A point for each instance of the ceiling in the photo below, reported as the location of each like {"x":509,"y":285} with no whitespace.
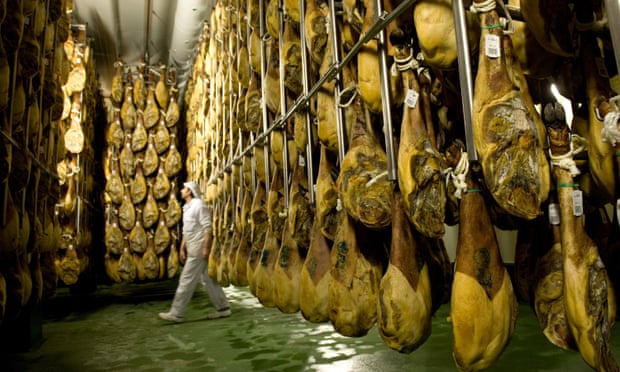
{"x":154,"y":31}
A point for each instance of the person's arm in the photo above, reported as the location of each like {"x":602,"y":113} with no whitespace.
{"x":182,"y":251}
{"x":207,"y":219}
{"x":206,"y":244}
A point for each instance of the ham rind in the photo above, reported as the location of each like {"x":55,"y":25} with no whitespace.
{"x":405,"y":301}
{"x":419,"y":167}
{"x":483,"y":306}
{"x":354,"y":288}
{"x":588,"y":297}
{"x":506,"y":135}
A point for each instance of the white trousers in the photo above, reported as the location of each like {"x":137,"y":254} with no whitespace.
{"x":195,"y":270}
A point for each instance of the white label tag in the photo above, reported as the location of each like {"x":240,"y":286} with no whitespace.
{"x":302,"y":161}
{"x":554,"y":214}
{"x":577,"y":203}
{"x":412,"y":98}
{"x":492,"y":46}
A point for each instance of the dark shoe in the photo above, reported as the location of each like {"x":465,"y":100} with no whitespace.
{"x":225,"y":313}
{"x":169,"y":317}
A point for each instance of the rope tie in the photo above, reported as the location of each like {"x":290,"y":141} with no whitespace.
{"x":352,"y":90}
{"x":610,"y":130}
{"x":376,"y":178}
{"x":407,"y":63}
{"x":566,"y":161}
{"x":482,"y":7}
{"x":458,"y":174}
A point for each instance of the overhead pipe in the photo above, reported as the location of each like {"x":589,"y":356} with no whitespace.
{"x":465,"y":76}
{"x":305,"y":83}
{"x":385,"y":98}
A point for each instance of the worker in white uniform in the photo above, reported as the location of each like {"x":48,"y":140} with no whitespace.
{"x":195,"y":245}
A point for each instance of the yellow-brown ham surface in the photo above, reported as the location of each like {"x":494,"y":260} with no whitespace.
{"x":315,"y":277}
{"x":483,"y":306}
{"x":405,"y":301}
{"x":419,"y":166}
{"x":506,"y":136}
{"x":363,"y":186}
{"x":355,"y":277}
{"x":589,"y":301}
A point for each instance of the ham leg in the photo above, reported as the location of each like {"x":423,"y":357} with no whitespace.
{"x":507,"y":139}
{"x":587,"y":293}
{"x":404,"y":311}
{"x":483,"y":304}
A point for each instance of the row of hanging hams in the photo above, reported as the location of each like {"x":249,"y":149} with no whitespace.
{"x":369,"y":250}
{"x":34,"y":66}
{"x":142,"y":162}
{"x":75,"y":169}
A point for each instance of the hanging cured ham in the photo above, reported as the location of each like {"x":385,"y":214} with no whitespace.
{"x":161,"y":187}
{"x":315,"y":25}
{"x":172,"y":265}
{"x":127,"y":212}
{"x":116,"y":92}
{"x":315,"y":277}
{"x":173,"y":212}
{"x":507,"y":138}
{"x":259,"y":222}
{"x":355,"y":277}
{"x":291,"y":52}
{"x":363,"y":186}
{"x":162,"y":236}
{"x":326,"y":195}
{"x":137,"y":236}
{"x":150,"y":262}
{"x":127,"y":160}
{"x":113,"y":234}
{"x":263,"y":274}
{"x":127,"y":269}
{"x":548,"y":287}
{"x":173,"y":162}
{"x":588,"y":298}
{"x":115,"y":137}
{"x":419,"y":165}
{"x":139,"y":86}
{"x":151,"y":111}
{"x":434,"y":24}
{"x":161,"y":139}
{"x":404,"y":311}
{"x":128,"y":109}
{"x":139,"y":137}
{"x":138,"y":187}
{"x":239,"y":264}
{"x":483,"y":307}
{"x":150,"y":211}
{"x":150,"y":163}
{"x":295,"y":239}
{"x":161,"y":90}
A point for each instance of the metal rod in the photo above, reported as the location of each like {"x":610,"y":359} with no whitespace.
{"x":338,"y":84}
{"x":305,"y":83}
{"x":465,"y":76}
{"x":263,"y":71}
{"x":285,"y":154}
{"x":613,"y":16}
{"x":386,"y":99}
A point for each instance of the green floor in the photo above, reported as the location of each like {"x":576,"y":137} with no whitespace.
{"x":117,"y":329}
